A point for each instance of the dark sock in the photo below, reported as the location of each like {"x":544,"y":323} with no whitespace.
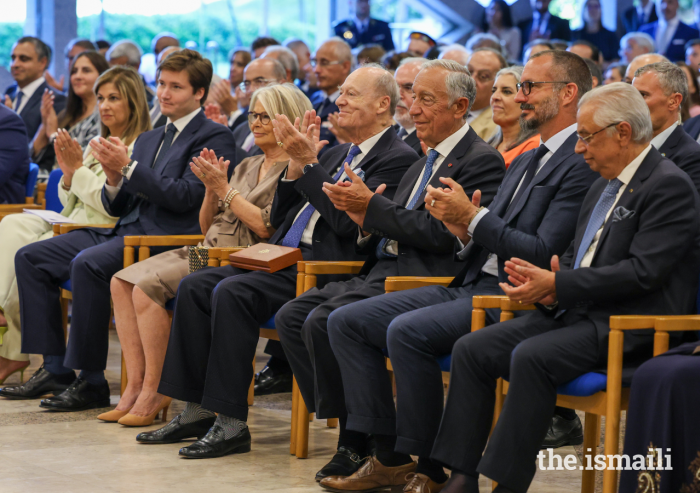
{"x":351,"y":439}
{"x":54,"y":364}
{"x":460,"y":482}
{"x":278,"y":365}
{"x":386,"y":454}
{"x":431,"y":469}
{"x":93,"y":377}
{"x":566,"y":413}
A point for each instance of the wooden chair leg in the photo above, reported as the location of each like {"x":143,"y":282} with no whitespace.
{"x":251,"y":389}
{"x":499,"y":402}
{"x":612,"y":411}
{"x":295,"y":413}
{"x":64,"y":317}
{"x":302,"y":450}
{"x":591,"y":432}
{"x":125,"y":380}
{"x":332,"y":422}
{"x":311,"y":417}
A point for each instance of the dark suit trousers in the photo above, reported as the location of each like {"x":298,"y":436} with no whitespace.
{"x":215,"y":331}
{"x":417,"y":326}
{"x":539,"y":353}
{"x":87,"y":258}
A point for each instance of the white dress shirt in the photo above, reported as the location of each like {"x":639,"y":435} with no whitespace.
{"x":664,"y":33}
{"x":625,"y":177}
{"x":180,"y":125}
{"x":553,"y":144}
{"x":660,"y":139}
{"x":365,"y":147}
{"x":645,"y":12}
{"x":28,"y":91}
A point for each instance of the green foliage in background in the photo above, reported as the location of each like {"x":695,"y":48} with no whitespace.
{"x":9,"y":33}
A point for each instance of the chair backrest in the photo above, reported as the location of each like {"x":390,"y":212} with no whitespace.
{"x":31,"y":179}
{"x":53,"y":203}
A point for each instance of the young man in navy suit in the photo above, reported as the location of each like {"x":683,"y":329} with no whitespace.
{"x":532,"y":216}
{"x":14,"y":157}
{"x":669,"y":33}
{"x":153,"y":192}
{"x":636,"y":251}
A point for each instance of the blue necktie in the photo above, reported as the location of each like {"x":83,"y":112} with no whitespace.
{"x":18,"y":101}
{"x":293,"y":236}
{"x":605,"y":202}
{"x":427,"y":174}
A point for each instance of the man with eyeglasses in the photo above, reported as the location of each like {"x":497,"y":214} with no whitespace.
{"x":636,"y":250}
{"x":484,"y":64}
{"x":664,"y":87}
{"x":532,"y":216}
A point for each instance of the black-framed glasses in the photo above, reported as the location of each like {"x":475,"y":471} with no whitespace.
{"x":264,"y":119}
{"x":587,"y":140}
{"x":526,"y":86}
{"x":323,"y":62}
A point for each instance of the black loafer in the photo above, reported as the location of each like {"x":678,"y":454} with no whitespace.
{"x":42,"y":382}
{"x":81,"y":395}
{"x":215,"y":445}
{"x":563,"y":432}
{"x":175,"y":432}
{"x":344,"y":463}
{"x":269,"y":381}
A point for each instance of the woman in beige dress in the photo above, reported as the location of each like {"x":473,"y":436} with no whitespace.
{"x":121,"y":102}
{"x":141,"y":291}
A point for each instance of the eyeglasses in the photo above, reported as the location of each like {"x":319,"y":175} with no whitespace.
{"x":587,"y":140}
{"x":259,"y":82}
{"x":526,"y":86}
{"x":264,"y":119}
{"x":323,"y":62}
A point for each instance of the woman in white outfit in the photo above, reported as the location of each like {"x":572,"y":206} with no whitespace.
{"x":121,"y":99}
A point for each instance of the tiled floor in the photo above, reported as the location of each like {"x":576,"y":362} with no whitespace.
{"x":60,"y":453}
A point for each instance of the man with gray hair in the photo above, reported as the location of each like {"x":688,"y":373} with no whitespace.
{"x":404,"y":77}
{"x":286,"y":57}
{"x":664,"y":87}
{"x":634,"y":44}
{"x":401,"y":239}
{"x":126,"y":53}
{"x":455,"y":52}
{"x":636,"y":250}
{"x":484,"y":64}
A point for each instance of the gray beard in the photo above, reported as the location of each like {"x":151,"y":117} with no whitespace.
{"x":547,"y":110}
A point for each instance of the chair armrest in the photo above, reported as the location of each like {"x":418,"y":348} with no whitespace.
{"x":68,"y":227}
{"x":488,"y":301}
{"x":393,"y":284}
{"x":514,"y":306}
{"x":10,"y":208}
{"x":163,"y":240}
{"x":677,"y":323}
{"x":632,"y":322}
{"x":341,"y":267}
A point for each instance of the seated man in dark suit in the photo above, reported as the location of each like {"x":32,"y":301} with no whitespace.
{"x":669,"y":32}
{"x":30,"y":59}
{"x":664,"y":87}
{"x":363,"y":30}
{"x":692,"y":127}
{"x":402,"y":239}
{"x":14,"y":157}
{"x":543,"y":25}
{"x":404,"y":76}
{"x":218,"y":312}
{"x":153,"y":193}
{"x":533,"y":216}
{"x":636,"y":251}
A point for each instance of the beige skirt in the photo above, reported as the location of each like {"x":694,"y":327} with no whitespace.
{"x":158,"y":276}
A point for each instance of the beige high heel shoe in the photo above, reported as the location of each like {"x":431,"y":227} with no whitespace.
{"x":113,"y":416}
{"x":21,"y":374}
{"x":133,"y":420}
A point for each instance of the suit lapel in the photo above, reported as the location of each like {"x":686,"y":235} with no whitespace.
{"x":35,"y":100}
{"x":672,"y":141}
{"x":514,"y":176}
{"x":384,"y":142}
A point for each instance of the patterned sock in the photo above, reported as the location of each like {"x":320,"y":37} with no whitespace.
{"x":232,"y":426}
{"x":194,"y":412}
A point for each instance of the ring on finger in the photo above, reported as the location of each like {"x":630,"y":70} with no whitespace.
{"x":280,"y":144}
{"x":204,"y":175}
{"x":432,"y":204}
{"x":63,"y":148}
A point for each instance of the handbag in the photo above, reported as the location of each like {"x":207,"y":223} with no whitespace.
{"x":198,"y":257}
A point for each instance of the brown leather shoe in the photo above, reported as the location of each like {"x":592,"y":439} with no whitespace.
{"x":420,"y":483}
{"x":370,"y":477}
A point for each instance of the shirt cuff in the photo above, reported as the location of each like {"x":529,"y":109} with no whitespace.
{"x":362,"y":240}
{"x":475,"y":221}
{"x":131,"y":170}
{"x":111,"y":192}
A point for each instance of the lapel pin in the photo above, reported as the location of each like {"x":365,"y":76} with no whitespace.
{"x":631,"y":190}
{"x":449,"y":165}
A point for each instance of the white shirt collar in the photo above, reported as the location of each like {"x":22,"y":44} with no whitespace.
{"x":628,"y":173}
{"x":31,"y":88}
{"x":556,"y":141}
{"x":333,"y":96}
{"x":445,"y":147}
{"x":660,"y":139}
{"x":367,"y":145}
{"x":646,"y":10}
{"x":181,"y":123}
{"x":673,"y":22}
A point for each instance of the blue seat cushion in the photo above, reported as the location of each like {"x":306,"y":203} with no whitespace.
{"x":67,"y":285}
{"x":444,"y":362}
{"x":270,"y":324}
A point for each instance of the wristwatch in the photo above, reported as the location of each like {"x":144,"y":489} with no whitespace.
{"x":308,"y":167}
{"x":126,"y":168}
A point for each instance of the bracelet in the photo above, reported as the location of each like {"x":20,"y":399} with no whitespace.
{"x":67,"y":189}
{"x":232,"y":192}
{"x":476,"y":214}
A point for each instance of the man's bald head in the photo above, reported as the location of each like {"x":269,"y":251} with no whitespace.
{"x":640,"y":61}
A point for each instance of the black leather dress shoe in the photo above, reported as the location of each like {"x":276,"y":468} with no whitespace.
{"x":215,"y":445}
{"x":42,"y":382}
{"x":81,"y":395}
{"x":270,"y":381}
{"x":344,"y":463}
{"x":563,"y":432}
{"x":174,"y":431}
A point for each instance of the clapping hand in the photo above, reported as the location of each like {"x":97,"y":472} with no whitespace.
{"x":113,"y":155}
{"x":300,"y":141}
{"x":212,"y":171}
{"x":530,"y":283}
{"x":452,"y":206}
{"x":341,"y":135}
{"x":48,"y":114}
{"x":221,"y":93}
{"x":8,"y":101}
{"x":69,"y":155}
{"x":213,"y":112}
{"x":352,"y":197}
{"x":58,"y":85}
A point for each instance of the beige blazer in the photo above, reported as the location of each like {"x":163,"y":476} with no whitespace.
{"x":483,"y":125}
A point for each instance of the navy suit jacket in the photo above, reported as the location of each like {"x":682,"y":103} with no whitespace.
{"x":413,"y":141}
{"x":630,"y":19}
{"x":31,"y":113}
{"x":335,"y":234}
{"x":425,"y":245}
{"x":323,"y":111}
{"x":692,"y":127}
{"x":169,"y":197}
{"x":14,"y":157}
{"x":684,"y":151}
{"x":377,"y":32}
{"x":543,"y":221}
{"x":648,"y":256}
{"x":676,"y":48}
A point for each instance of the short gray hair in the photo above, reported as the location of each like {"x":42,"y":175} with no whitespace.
{"x":516,"y":71}
{"x":413,"y":59}
{"x":459,"y":81}
{"x":286,"y":57}
{"x":620,"y":102}
{"x":126,"y":48}
{"x":485,"y":40}
{"x":671,"y":77}
{"x":386,"y":85}
{"x":642,"y":39}
{"x":342,"y":48}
